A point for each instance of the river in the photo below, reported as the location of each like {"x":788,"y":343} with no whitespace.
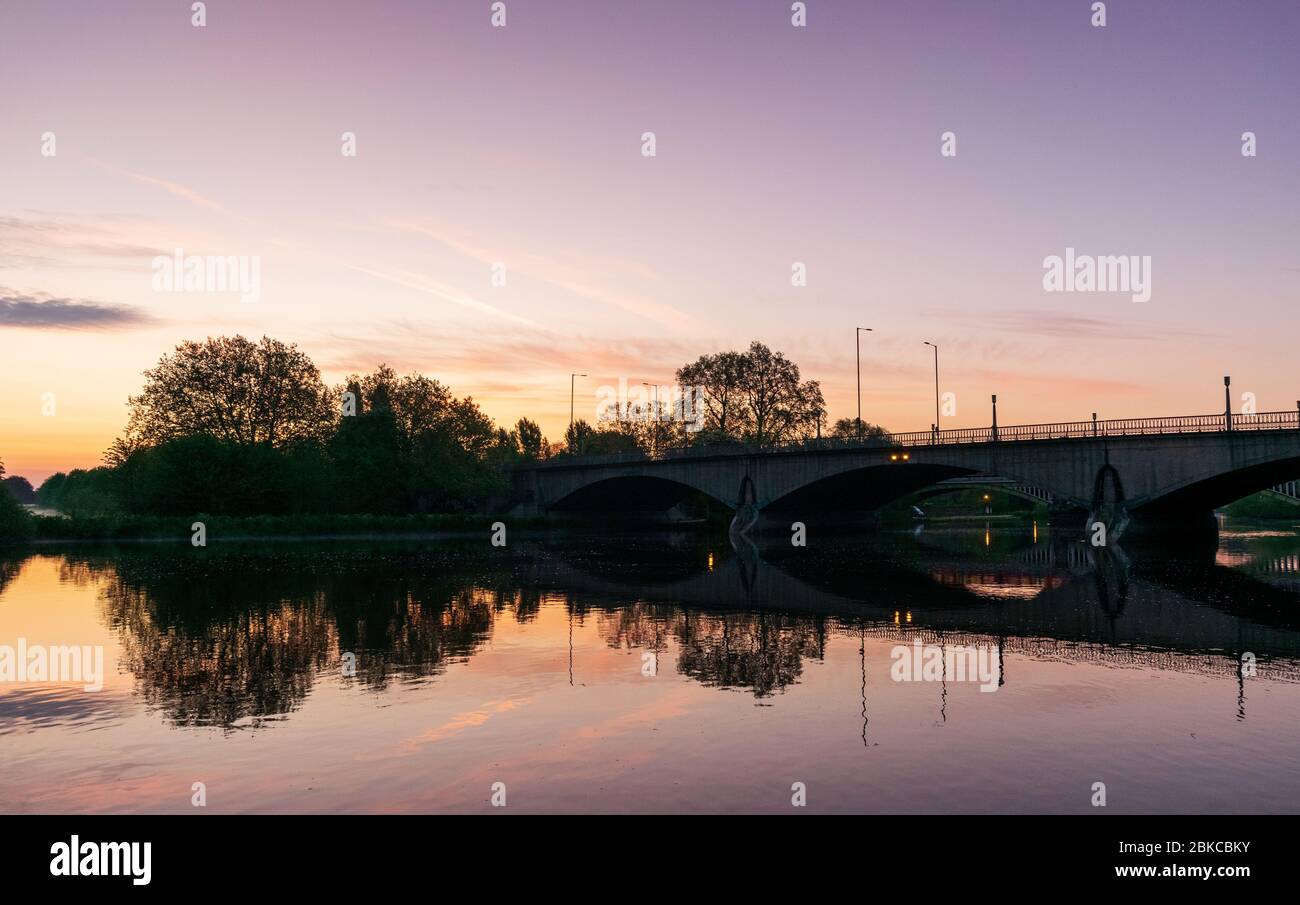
{"x":661,"y":672}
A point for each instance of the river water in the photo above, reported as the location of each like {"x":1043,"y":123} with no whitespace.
{"x":661,"y":672}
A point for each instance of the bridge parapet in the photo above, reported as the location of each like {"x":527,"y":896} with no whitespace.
{"x":1009,"y":433}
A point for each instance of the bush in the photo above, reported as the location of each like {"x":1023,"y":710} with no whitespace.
{"x":16,"y":524}
{"x":81,"y":492}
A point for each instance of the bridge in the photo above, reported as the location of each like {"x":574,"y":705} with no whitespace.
{"x":1289,"y":491}
{"x":1163,"y":470}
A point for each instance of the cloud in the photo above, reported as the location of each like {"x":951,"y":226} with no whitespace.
{"x":1067,"y":326}
{"x":44,"y":311}
{"x":508,"y":357}
{"x":69,"y":242}
{"x":421,"y":283}
{"x":585,"y":277}
{"x":172,"y":188}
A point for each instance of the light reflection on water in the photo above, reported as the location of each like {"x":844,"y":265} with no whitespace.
{"x":659,"y":672}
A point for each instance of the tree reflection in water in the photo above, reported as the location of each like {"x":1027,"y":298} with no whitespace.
{"x":761,"y":652}
{"x":239,"y":634}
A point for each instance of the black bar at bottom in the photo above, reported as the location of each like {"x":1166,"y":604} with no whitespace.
{"x":337,"y":854}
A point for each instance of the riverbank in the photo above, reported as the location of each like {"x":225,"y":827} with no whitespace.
{"x":1265,"y":506}
{"x":180,"y":528}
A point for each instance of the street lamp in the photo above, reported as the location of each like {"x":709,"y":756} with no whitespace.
{"x":571,"y":379}
{"x":1227,"y":402}
{"x":936,"y":387}
{"x":857,"y":343}
{"x":654,"y":430}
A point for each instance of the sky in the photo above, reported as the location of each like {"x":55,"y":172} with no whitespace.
{"x":522,"y":146}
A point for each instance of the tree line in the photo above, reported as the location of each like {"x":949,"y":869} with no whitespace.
{"x":229,"y":426}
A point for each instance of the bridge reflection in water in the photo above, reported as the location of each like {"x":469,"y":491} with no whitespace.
{"x":229,"y":639}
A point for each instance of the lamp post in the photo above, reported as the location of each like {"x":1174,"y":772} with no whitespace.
{"x":857,"y":344}
{"x":654,"y":430}
{"x":936,"y":388}
{"x":571,"y":381}
{"x":1227,"y":402}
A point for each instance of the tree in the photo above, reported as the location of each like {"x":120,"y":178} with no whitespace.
{"x":582,"y":439}
{"x":19,"y":487}
{"x":231,"y":389}
{"x":577,"y":437}
{"x":756,"y":396}
{"x":51,"y":490}
{"x":417,"y":402}
{"x":532,"y":445}
{"x":720,"y":378}
{"x":852,"y":428}
{"x":442,"y":452}
{"x":780,"y":407}
{"x":15,"y":522}
{"x":368,"y":457}
{"x":82,"y":492}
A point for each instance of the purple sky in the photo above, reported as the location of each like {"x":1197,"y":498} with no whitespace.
{"x":521,"y":145}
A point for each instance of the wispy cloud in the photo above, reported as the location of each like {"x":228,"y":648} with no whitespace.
{"x":54,"y":240}
{"x":167,"y":185}
{"x":421,"y":283}
{"x":585,"y":277}
{"x":505,"y":360}
{"x":43,"y":311}
{"x":1068,"y":326}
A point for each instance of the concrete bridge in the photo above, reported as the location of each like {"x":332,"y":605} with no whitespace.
{"x":1163,"y":470}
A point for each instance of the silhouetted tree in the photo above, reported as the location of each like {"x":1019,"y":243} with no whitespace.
{"x":720,"y":377}
{"x":851,"y":428}
{"x":232,"y":389}
{"x":756,"y":396}
{"x":366,"y":453}
{"x":15,"y":522}
{"x":532,"y":445}
{"x":19,"y":487}
{"x":577,"y":437}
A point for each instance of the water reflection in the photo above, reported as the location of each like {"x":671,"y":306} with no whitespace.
{"x":236,"y":636}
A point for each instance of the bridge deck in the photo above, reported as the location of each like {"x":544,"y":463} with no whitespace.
{"x":1221,"y":423}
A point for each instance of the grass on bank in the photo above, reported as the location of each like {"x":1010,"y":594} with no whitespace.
{"x":1264,"y":506}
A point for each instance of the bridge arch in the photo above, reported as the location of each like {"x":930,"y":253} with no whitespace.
{"x":1207,"y":492}
{"x":1008,"y":486}
{"x":632,"y":493}
{"x":865,"y":487}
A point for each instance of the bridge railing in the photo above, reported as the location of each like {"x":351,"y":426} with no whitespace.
{"x":1010,"y":433}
